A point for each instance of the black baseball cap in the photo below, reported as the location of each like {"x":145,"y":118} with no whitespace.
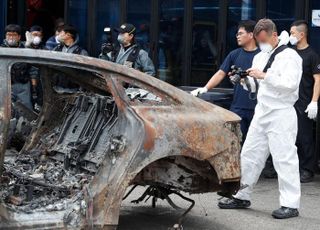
{"x":36,"y":28}
{"x":126,"y":28}
{"x":70,"y":29}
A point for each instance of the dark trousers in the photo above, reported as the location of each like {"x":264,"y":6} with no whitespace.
{"x":305,"y":142}
{"x":246,"y":118}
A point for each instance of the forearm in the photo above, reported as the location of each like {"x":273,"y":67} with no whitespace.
{"x":215,"y":79}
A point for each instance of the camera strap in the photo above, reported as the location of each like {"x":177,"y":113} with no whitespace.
{"x":253,"y":96}
{"x":273,"y":55}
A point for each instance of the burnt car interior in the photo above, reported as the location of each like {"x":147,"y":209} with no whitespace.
{"x":51,"y":160}
{"x":53,"y":155}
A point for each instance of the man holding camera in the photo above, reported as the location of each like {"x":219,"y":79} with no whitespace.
{"x":129,"y":53}
{"x":243,"y":104}
{"x":274,"y":125}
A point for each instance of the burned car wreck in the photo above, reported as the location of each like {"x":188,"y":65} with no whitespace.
{"x":120,"y":128}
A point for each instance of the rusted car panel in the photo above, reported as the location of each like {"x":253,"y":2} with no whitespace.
{"x":122,"y":128}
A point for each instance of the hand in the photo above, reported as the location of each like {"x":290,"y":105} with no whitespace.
{"x":312,"y":109}
{"x":235,"y":79}
{"x":199,"y":91}
{"x":29,"y":38}
{"x":106,"y":48}
{"x":256,"y":73}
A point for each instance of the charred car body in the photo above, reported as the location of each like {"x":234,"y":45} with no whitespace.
{"x":119,"y":128}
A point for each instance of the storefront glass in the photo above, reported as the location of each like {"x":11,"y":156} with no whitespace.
{"x":77,"y":16}
{"x":205,"y":48}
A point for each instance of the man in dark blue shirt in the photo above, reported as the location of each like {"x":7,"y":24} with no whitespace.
{"x":242,"y":104}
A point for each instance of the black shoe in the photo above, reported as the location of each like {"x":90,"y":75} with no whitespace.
{"x":270,"y":174}
{"x":233,"y":203}
{"x":306,"y":176}
{"x":284,"y":213}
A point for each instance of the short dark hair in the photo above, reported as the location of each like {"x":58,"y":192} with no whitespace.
{"x":36,"y":28}
{"x":248,"y":25}
{"x":71,"y":30}
{"x":266,"y":25}
{"x":13,"y":28}
{"x":302,"y":25}
{"x":59,"y":23}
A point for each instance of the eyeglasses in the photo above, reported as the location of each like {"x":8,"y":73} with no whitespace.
{"x":240,"y":34}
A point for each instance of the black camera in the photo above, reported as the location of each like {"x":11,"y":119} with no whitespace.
{"x":237,"y":74}
{"x":108,"y":45}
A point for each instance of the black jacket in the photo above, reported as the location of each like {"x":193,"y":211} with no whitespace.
{"x":20,"y":71}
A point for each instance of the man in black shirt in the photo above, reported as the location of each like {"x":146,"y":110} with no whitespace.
{"x":307,"y":104}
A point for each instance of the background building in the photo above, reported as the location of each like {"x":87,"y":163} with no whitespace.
{"x":187,"y":39}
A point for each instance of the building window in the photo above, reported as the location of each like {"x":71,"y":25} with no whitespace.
{"x":171,"y":21}
{"x":238,"y":11}
{"x":282,"y":13}
{"x":314,"y":31}
{"x":138,"y":14}
{"x":77,"y":16}
{"x":3,"y":10}
{"x":108,"y":15}
{"x":204,"y":61}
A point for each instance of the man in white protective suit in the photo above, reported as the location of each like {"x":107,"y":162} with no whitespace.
{"x":277,"y":70}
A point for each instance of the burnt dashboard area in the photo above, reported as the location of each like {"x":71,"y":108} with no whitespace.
{"x":66,"y":157}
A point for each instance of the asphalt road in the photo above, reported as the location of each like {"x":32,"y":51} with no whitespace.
{"x":207,"y":216}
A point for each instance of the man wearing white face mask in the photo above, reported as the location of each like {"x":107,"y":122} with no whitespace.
{"x":307,"y":104}
{"x":34,"y":41}
{"x":34,"y":38}
{"x":274,"y":125}
{"x":20,"y":78}
{"x":129,"y":53}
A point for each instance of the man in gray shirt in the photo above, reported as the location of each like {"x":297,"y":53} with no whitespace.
{"x":129,"y":53}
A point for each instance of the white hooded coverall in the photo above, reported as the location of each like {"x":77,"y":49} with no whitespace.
{"x":274,"y":127}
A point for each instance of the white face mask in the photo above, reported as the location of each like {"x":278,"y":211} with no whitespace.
{"x":293,"y":40}
{"x":121,"y":39}
{"x":12,"y":42}
{"x":36,"y":40}
{"x":60,"y":39}
{"x":265,"y":47}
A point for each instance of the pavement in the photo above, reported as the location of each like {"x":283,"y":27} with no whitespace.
{"x":207,"y":216}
